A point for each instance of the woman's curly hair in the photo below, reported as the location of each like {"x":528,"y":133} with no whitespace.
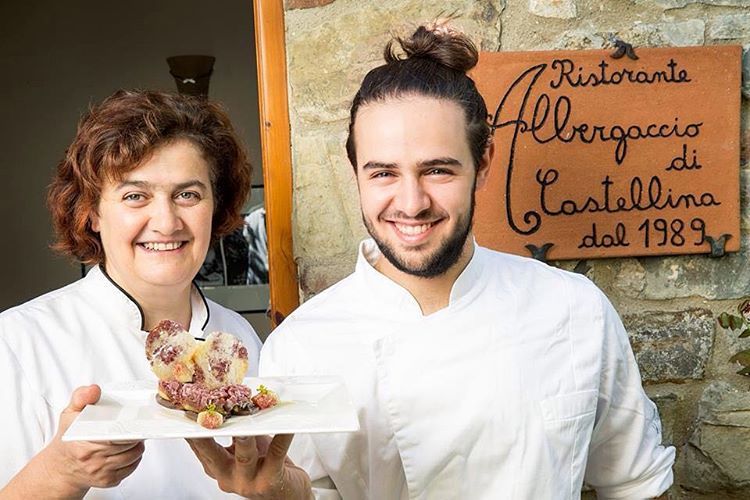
{"x":117,"y":136}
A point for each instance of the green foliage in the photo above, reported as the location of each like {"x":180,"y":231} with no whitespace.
{"x":739,"y":322}
{"x":735,"y":322}
{"x":262,"y":389}
{"x":742,"y":357}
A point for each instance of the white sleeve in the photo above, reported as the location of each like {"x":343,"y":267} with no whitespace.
{"x":626,"y":458}
{"x":281,"y":357}
{"x":21,"y":428}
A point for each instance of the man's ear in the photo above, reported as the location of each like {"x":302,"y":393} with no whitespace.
{"x":483,"y":171}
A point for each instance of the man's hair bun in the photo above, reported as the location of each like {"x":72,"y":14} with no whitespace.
{"x":439,"y":43}
{"x":432,"y":62}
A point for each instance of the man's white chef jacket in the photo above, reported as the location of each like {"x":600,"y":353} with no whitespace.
{"x":519,"y":389}
{"x":91,"y":332}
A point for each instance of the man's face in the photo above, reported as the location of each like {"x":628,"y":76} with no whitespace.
{"x":416,"y":180}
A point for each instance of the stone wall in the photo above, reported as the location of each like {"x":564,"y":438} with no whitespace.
{"x":669,"y":305}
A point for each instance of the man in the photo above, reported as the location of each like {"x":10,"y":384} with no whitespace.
{"x":475,"y":374}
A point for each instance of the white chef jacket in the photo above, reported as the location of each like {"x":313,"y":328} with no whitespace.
{"x":88,"y":332}
{"x":521,"y":388}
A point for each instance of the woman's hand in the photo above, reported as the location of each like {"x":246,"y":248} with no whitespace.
{"x":254,"y":467}
{"x":85,"y":464}
{"x":67,"y":469}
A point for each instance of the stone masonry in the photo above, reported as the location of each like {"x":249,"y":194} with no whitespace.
{"x":669,"y":305}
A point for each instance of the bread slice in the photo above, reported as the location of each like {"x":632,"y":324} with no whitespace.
{"x":220,"y":360}
{"x":170,"y":350}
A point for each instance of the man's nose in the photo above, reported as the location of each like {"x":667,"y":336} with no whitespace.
{"x":412,"y":199}
{"x":165,"y":216}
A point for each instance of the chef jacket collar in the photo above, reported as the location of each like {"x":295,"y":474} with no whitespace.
{"x":111,"y":290}
{"x":464,"y":288}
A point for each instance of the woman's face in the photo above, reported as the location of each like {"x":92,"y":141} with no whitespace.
{"x":155,"y":224}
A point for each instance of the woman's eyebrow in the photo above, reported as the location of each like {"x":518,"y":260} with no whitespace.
{"x":149,"y":185}
{"x":192,"y":183}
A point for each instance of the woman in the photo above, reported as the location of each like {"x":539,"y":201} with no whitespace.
{"x":148,"y":182}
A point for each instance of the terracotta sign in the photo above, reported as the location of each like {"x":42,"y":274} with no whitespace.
{"x":604,"y":157}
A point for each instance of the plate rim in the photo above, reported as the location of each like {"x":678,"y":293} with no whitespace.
{"x":347,"y":420}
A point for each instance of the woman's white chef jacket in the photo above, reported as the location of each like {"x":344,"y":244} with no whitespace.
{"x":519,"y":389}
{"x":91,"y":332}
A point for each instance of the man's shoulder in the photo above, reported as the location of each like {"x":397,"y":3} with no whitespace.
{"x":323,"y":313}
{"x":535,"y":285}
{"x":533,"y":273}
{"x":339,"y":297}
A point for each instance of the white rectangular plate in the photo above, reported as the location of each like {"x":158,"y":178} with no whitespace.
{"x":129,"y":411}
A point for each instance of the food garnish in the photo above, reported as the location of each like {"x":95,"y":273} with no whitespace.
{"x":265,"y":398}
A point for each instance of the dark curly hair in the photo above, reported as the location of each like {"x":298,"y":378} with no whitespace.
{"x":117,"y":136}
{"x":434,"y":64}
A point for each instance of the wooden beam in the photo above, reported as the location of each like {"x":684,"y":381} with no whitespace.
{"x":275,"y":138}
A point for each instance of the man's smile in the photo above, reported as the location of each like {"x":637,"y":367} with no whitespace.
{"x":413,"y":230}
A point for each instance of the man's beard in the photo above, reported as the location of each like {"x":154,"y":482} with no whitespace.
{"x":440,"y":261}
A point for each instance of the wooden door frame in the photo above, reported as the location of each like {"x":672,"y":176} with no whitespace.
{"x":276,"y":153}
